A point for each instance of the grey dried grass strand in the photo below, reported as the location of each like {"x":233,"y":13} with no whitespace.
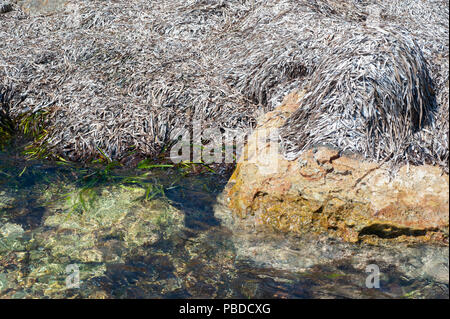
{"x":369,"y":97}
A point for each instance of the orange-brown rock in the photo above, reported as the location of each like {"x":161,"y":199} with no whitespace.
{"x":325,"y":191}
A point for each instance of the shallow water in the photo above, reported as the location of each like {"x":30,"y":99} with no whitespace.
{"x":121,"y":239}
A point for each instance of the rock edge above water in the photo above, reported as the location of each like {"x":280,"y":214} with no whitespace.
{"x":325,"y":191}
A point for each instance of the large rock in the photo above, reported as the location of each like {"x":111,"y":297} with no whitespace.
{"x":326,"y":191}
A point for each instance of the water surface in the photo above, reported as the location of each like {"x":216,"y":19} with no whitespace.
{"x":156,"y":236}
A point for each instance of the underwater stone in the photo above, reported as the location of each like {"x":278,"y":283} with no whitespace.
{"x":4,"y":282}
{"x":345,"y":196}
{"x":11,"y":231}
{"x":115,"y":227}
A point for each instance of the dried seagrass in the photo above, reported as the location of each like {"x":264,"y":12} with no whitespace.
{"x":369,"y":96}
{"x":118,"y":75}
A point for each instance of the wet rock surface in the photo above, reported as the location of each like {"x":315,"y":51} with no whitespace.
{"x":291,"y":252}
{"x":325,"y":191}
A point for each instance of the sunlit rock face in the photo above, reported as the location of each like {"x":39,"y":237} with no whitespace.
{"x":323,"y":190}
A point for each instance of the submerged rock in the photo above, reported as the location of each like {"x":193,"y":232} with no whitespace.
{"x":108,"y":230}
{"x":326,"y":211}
{"x":326,"y":191}
{"x":308,"y":253}
{"x":172,"y":246}
{"x":11,"y":230}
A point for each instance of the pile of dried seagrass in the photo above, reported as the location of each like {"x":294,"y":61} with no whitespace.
{"x":121,"y":75}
